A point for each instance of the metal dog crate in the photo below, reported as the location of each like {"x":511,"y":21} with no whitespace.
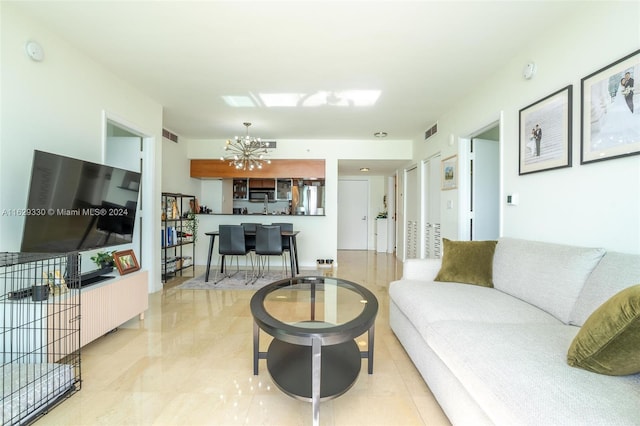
{"x":40,"y":303}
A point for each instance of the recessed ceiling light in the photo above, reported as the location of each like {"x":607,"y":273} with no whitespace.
{"x":364,"y":169}
{"x":380,"y":135}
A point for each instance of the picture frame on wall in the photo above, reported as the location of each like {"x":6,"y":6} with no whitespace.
{"x":545,"y":133}
{"x":449,"y":172}
{"x":610,"y":111}
{"x":126,"y":261}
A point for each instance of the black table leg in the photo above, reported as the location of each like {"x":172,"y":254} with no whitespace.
{"x":256,"y":347}
{"x":212,"y":238}
{"x":294,"y":245}
{"x":370,"y":349}
{"x":292,"y":256}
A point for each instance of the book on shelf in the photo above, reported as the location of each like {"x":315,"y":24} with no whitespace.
{"x":169,"y":236}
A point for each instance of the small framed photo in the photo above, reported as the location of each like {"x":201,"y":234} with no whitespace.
{"x":125,"y":261}
{"x":610,"y":111}
{"x":450,"y":172}
{"x":545,"y":133}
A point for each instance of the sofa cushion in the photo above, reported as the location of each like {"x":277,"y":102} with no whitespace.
{"x":609,"y":341}
{"x":458,"y":405}
{"x":546,"y":275}
{"x":421,"y":269}
{"x":519,"y":375}
{"x":469,"y":262}
{"x":425,"y":303}
{"x":614,"y":273}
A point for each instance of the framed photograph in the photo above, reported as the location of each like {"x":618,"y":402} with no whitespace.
{"x":545,"y":133}
{"x":125,"y":261}
{"x":610,"y":111}
{"x":449,"y":175}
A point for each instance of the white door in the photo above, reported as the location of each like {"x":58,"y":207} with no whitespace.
{"x":485,"y":190}
{"x":431,"y":208}
{"x":412,"y":214}
{"x":353,"y":221}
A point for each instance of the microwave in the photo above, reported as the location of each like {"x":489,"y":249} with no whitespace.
{"x":259,"y":194}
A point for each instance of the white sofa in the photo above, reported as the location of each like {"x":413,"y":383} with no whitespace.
{"x":499,"y":355}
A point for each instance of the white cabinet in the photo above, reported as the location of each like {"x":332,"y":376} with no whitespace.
{"x":381,"y":235}
{"x":107,"y":305}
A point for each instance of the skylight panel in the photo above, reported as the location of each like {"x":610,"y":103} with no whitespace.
{"x":343,"y":98}
{"x":239,"y":101}
{"x":280,"y":99}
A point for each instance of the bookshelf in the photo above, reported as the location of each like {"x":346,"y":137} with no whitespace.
{"x":177,"y":234}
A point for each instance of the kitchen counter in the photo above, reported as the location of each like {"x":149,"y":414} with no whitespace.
{"x":316,"y":240}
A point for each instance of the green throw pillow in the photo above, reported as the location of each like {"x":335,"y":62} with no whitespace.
{"x":609,"y":341}
{"x":469,"y":262}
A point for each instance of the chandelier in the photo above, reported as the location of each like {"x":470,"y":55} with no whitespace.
{"x":246,"y":152}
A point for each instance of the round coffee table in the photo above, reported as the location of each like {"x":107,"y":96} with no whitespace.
{"x":314,"y":321}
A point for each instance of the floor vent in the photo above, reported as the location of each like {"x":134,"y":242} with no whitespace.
{"x":171,"y":136}
{"x":431,"y":131}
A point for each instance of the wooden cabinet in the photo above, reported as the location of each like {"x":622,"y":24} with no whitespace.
{"x":304,"y":168}
{"x":261,"y":183}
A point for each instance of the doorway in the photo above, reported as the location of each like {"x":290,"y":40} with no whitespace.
{"x":353,"y":221}
{"x":484,"y":201}
{"x":139,"y":155}
{"x":123,"y":149}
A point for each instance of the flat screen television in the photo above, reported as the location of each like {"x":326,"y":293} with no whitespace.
{"x":76,"y":205}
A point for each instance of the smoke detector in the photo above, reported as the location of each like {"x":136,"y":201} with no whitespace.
{"x":34,"y":51}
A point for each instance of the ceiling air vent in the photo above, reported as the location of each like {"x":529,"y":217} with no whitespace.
{"x":171,"y":136}
{"x":431,"y":131}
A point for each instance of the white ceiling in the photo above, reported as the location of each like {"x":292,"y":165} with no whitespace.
{"x":423,"y":56}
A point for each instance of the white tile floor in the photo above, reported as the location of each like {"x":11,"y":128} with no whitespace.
{"x":190,"y":363}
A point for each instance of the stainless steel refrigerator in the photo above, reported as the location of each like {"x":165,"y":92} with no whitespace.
{"x":309,"y":200}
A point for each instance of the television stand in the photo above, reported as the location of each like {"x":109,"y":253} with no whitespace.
{"x":108,"y":304}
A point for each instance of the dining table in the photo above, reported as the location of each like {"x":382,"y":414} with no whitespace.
{"x":293,"y":255}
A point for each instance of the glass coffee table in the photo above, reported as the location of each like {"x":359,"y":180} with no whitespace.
{"x":314,"y":321}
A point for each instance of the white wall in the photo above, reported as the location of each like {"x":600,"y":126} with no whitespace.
{"x":59,"y":105}
{"x":176,"y":168}
{"x":596,"y":204}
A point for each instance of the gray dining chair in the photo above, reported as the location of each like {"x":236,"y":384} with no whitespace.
{"x":232,"y":243}
{"x":286,"y":242}
{"x":268,"y":243}
{"x":250,"y":240}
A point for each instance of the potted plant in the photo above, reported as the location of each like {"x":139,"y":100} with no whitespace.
{"x":103,"y":259}
{"x":192,"y":225}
